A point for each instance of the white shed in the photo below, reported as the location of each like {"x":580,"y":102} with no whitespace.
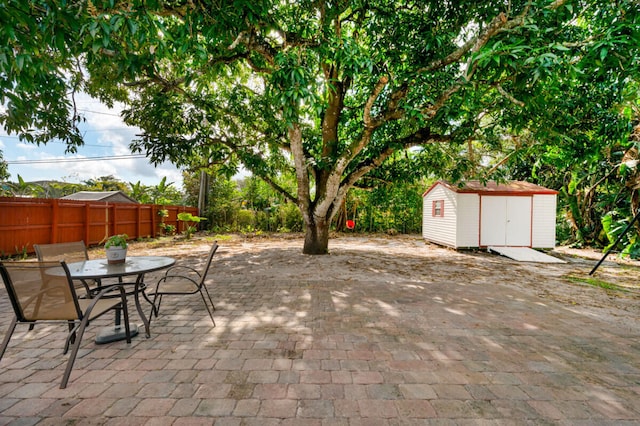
{"x":514,"y":214}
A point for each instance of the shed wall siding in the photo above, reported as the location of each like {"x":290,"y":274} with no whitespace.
{"x":440,"y":230}
{"x":544,"y":221}
{"x":468,"y":220}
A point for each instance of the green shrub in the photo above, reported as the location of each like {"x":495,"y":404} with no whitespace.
{"x":291,"y":217}
{"x":246,"y":219}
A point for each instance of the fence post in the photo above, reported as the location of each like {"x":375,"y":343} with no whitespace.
{"x":154,"y":224}
{"x":87,"y":217}
{"x":139,"y":218}
{"x":113,"y":220}
{"x":106,"y":222}
{"x":54,"y":220}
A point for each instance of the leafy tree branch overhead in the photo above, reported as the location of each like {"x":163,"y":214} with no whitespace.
{"x":329,"y":90}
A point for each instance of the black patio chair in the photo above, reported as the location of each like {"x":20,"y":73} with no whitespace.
{"x":74,"y":251}
{"x":44,"y":292}
{"x":184,"y":280}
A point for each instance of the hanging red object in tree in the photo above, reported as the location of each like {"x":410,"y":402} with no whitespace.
{"x":351,"y":224}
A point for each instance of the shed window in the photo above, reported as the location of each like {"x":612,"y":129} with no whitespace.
{"x":437,"y":209}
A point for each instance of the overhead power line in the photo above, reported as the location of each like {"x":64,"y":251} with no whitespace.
{"x":100,"y":112}
{"x":74,"y":160}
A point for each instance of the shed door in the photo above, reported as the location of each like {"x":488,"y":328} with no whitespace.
{"x":505,"y":221}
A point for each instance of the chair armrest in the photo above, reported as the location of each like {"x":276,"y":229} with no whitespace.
{"x":189,"y":269}
{"x":182,"y":277}
{"x":158,"y":286}
{"x":103,"y":293}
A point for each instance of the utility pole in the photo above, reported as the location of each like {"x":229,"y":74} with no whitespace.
{"x":203,"y":193}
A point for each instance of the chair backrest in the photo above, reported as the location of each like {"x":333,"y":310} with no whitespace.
{"x":40,"y":290}
{"x":74,"y":251}
{"x":207,"y":265}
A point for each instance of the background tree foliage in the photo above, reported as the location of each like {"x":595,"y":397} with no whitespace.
{"x":342,"y":94}
{"x":164,"y":193}
{"x":4,"y":172}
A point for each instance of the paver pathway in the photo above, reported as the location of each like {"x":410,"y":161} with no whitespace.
{"x":330,"y":351}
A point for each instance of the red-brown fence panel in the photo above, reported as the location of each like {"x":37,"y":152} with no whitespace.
{"x":28,"y":221}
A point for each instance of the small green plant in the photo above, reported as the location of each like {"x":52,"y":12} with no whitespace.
{"x":189,"y":231}
{"x":188,"y":217}
{"x":613,"y":229}
{"x":21,"y":253}
{"x":119,"y":240}
{"x":597,"y":283}
{"x":168,"y":229}
{"x":165,"y":227}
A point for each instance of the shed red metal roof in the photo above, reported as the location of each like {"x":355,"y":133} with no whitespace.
{"x":513,"y":187}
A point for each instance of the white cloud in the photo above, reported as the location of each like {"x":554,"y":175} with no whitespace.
{"x":107,"y":130}
{"x":105,"y":135}
{"x":26,"y":147}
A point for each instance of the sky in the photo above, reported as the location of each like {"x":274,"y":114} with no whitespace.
{"x":106,"y":152}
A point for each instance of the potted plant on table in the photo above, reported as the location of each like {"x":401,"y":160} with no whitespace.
{"x":116,"y":248}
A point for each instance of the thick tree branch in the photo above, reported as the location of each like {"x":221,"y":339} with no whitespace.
{"x":432,"y":109}
{"x":556,"y":4}
{"x":255,"y":159}
{"x":243,"y":37}
{"x":370,"y":122}
{"x":509,"y":96}
{"x":299,"y":159}
{"x":498,"y":24}
{"x":418,"y":138}
{"x":277,"y":187}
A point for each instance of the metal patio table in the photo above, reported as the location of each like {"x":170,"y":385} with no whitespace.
{"x":138,"y":266}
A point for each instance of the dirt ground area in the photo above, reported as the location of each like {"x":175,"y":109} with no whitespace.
{"x":612,"y":293}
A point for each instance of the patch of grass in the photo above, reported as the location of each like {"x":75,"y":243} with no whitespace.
{"x":597,"y":283}
{"x":629,"y":267}
{"x":219,"y":237}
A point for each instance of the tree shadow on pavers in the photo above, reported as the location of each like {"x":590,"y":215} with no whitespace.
{"x":379,"y":315}
{"x":445,"y":319}
{"x":387,"y":263}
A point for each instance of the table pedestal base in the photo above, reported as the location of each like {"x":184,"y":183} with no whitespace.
{"x":115,"y":333}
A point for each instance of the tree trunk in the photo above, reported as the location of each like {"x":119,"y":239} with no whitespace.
{"x":316,"y":237}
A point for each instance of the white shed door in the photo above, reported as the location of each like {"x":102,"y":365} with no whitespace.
{"x":505,"y":221}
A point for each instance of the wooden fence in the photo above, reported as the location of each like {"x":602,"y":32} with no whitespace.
{"x":28,"y":221}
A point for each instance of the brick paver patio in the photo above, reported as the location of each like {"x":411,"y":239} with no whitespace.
{"x":330,"y":351}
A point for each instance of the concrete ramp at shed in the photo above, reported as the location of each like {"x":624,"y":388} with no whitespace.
{"x":525,"y":254}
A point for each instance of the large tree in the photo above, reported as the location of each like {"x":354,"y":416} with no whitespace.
{"x":328,"y":89}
